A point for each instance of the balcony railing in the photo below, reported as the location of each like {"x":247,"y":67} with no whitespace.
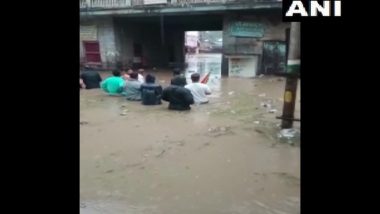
{"x":106,"y":4}
{"x":202,"y":1}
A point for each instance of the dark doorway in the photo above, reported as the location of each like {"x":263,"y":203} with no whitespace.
{"x":171,"y":54}
{"x":137,"y":55}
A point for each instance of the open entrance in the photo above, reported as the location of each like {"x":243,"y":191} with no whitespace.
{"x":203,"y":55}
{"x":137,"y":55}
{"x":158,"y":41}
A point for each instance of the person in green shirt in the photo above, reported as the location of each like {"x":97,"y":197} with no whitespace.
{"x":114,"y":85}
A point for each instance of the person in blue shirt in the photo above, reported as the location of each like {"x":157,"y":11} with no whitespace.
{"x":132,"y":90}
{"x":150,"y":91}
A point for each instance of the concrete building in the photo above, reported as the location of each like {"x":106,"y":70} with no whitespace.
{"x":151,"y":33}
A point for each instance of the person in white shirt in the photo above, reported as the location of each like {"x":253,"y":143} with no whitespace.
{"x":198,"y":90}
{"x":141,"y":78}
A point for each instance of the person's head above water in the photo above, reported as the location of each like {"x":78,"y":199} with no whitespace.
{"x":116,"y":73}
{"x":195,"y":77}
{"x":87,"y":68}
{"x":141,"y":71}
{"x":176,"y":71}
{"x":134,"y":75}
{"x":179,"y":81}
{"x":150,"y":78}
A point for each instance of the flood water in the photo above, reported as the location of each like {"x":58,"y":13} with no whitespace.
{"x":223,"y":157}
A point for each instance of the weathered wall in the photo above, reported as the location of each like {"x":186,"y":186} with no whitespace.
{"x":274,"y":29}
{"x":117,"y":36}
{"x":107,"y":41}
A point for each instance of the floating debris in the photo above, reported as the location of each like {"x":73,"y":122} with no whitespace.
{"x":259,"y":131}
{"x":231,"y":93}
{"x":218,"y":131}
{"x":160,"y":155}
{"x":109,"y":171}
{"x":262,"y":95}
{"x":124,"y":112}
{"x":272,"y":110}
{"x":83,"y":122}
{"x":181,"y":143}
{"x":287,"y":133}
{"x":265,"y":105}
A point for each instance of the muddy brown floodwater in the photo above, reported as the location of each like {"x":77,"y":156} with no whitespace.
{"x":223,"y":157}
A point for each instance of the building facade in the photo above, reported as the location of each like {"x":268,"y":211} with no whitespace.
{"x":151,"y":33}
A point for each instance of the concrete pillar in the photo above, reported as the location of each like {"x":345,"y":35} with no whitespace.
{"x":107,"y":42}
{"x":225,"y":42}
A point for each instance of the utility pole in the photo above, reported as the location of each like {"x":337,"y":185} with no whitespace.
{"x":292,"y":74}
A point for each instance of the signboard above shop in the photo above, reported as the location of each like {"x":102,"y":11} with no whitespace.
{"x":246,"y":29}
{"x":150,"y":2}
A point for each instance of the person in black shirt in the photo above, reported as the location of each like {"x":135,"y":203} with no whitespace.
{"x":150,"y":91}
{"x":179,"y":97}
{"x":91,"y":78}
